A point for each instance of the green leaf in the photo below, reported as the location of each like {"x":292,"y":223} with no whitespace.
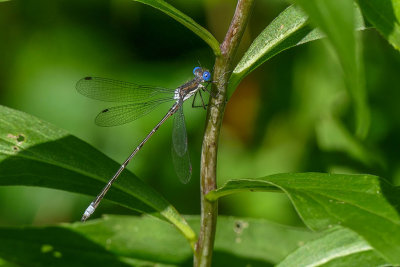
{"x":365,"y":204}
{"x":333,"y":136}
{"x":291,"y":28}
{"x":186,"y":21}
{"x":248,"y":239}
{"x":385,"y":16}
{"x":336,"y":18}
{"x":337,"y":247}
{"x":120,"y":239}
{"x":287,"y":30}
{"x":36,"y":153}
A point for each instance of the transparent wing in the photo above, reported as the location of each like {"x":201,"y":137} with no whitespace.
{"x":123,"y":114}
{"x":118,"y":91}
{"x":179,"y":134}
{"x":180,"y":153}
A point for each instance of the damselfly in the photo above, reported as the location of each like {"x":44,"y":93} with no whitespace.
{"x":143,"y":99}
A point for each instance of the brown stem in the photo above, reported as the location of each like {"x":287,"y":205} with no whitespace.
{"x":222,"y":69}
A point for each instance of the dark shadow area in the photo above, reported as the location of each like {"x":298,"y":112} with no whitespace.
{"x":222,"y":258}
{"x":391,"y":194}
{"x":373,"y":14}
{"x":52,"y":246}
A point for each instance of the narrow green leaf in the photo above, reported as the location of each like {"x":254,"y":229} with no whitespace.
{"x":291,"y":28}
{"x":36,"y":153}
{"x":365,"y":204}
{"x":385,"y":16}
{"x":336,"y":18}
{"x":122,"y":239}
{"x":337,"y":247}
{"x":186,"y":21}
{"x":287,"y":30}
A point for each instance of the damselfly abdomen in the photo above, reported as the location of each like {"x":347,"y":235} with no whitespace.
{"x":141,"y":100}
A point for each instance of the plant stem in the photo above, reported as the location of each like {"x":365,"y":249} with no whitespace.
{"x":216,"y":108}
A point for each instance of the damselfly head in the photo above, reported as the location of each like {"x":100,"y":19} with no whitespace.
{"x":205,"y":75}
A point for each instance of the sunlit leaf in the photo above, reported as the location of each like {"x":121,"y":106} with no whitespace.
{"x":292,"y":28}
{"x":119,"y":240}
{"x":289,"y":29}
{"x":36,"y":153}
{"x":337,"y":247}
{"x":385,"y":16}
{"x":186,"y":21}
{"x":365,"y":204}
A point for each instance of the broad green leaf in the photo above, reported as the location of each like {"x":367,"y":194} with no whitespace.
{"x":119,"y":240}
{"x":365,"y":204}
{"x":289,"y":29}
{"x":336,"y":18}
{"x":186,"y":21}
{"x":36,"y":153}
{"x":337,"y":247}
{"x":385,"y":16}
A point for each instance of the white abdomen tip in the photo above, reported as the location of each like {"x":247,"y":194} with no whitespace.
{"x":89,"y":211}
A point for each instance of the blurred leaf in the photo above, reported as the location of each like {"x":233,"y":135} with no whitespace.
{"x":385,"y":16}
{"x":119,"y":239}
{"x":36,"y":153}
{"x":186,"y":21}
{"x":333,"y":136}
{"x":337,"y":19}
{"x":289,"y":29}
{"x":337,"y":247}
{"x":365,"y":204}
{"x":4,"y":263}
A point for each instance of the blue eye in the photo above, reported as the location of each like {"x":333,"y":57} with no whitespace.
{"x":195,"y":69}
{"x":206,"y":76}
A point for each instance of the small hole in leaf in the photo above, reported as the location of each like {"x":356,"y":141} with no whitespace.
{"x":239,"y":226}
{"x":20,"y":138}
{"x":15,"y":148}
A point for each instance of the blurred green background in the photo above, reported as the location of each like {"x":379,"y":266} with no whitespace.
{"x":292,"y":114}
